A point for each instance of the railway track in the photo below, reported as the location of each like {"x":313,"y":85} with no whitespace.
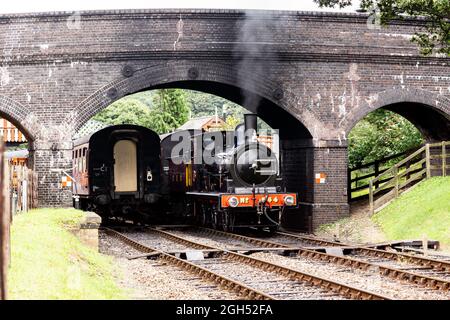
{"x":251,"y":277}
{"x":419,"y":271}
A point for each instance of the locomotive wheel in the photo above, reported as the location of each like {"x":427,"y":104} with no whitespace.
{"x":227,"y":222}
{"x":215,"y":219}
{"x":203,"y":216}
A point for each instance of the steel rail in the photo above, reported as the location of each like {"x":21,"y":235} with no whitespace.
{"x":390,"y":272}
{"x":224,"y":282}
{"x":421,"y":261}
{"x":313,"y":240}
{"x":330,"y":285}
{"x":260,"y":242}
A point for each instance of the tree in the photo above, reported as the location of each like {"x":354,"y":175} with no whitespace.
{"x":231,"y":122}
{"x":435,"y":36}
{"x":381,"y":134}
{"x":126,"y":111}
{"x":170,"y":110}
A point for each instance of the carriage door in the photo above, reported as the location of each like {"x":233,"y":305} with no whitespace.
{"x":125,"y":170}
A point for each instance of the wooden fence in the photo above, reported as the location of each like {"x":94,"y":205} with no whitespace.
{"x":18,"y":193}
{"x":23,"y":188}
{"x":359,"y":177}
{"x":433,"y":159}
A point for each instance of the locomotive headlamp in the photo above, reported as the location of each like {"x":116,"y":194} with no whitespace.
{"x":233,"y":202}
{"x":289,"y":200}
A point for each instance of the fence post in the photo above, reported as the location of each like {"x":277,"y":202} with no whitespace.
{"x":408,"y":165}
{"x":349,"y":184}
{"x":377,"y":172}
{"x":371,"y":197}
{"x":3,"y":229}
{"x":444,"y":160}
{"x":396,"y":181}
{"x":427,"y":159}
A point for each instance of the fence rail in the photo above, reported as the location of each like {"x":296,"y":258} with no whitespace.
{"x":429,"y":160}
{"x":358,"y":185}
{"x":23,"y":188}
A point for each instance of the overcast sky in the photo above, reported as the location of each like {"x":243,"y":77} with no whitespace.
{"x":23,"y":6}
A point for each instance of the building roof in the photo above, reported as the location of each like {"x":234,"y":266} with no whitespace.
{"x":201,"y":123}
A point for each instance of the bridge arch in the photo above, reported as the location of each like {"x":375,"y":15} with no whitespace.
{"x":428,"y":111}
{"x":20,"y":116}
{"x":215,"y":78}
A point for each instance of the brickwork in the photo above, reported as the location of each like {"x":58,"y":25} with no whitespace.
{"x":316,"y":75}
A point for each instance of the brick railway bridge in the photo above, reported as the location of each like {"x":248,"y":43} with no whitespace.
{"x":312,"y":75}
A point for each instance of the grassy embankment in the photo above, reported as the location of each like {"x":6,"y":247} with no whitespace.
{"x":49,"y":262}
{"x":424,"y":211}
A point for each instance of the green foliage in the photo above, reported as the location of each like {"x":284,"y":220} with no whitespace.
{"x":424,"y":211}
{"x":162,"y":110}
{"x":381,"y":134}
{"x":204,"y":104}
{"x":21,"y":146}
{"x":49,"y":262}
{"x":231,"y":122}
{"x":170,"y":110}
{"x":126,"y":111}
{"x":434,"y":36}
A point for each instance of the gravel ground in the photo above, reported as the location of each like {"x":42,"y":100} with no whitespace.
{"x":361,"y":279}
{"x":150,"y":279}
{"x":155,"y":240}
{"x":370,"y":281}
{"x":268,"y":282}
{"x":219,"y":241}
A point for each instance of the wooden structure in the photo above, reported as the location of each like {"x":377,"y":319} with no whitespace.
{"x":359,"y":177}
{"x":206,"y":123}
{"x":5,"y":218}
{"x":23,"y":188}
{"x":11,"y":135}
{"x":433,"y":159}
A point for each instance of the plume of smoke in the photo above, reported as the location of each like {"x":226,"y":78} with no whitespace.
{"x":253,"y":50}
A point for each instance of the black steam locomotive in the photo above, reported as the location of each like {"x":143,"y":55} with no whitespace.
{"x":117,"y":172}
{"x":225,"y":179}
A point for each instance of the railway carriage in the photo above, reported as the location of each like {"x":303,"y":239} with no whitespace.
{"x":225,"y":179}
{"x":117,"y":172}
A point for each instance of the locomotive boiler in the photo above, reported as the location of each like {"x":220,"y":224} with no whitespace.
{"x":225,"y":179}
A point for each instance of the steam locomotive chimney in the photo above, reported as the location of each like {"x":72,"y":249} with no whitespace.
{"x":250,"y":125}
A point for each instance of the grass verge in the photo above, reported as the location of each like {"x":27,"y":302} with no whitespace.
{"x":424,"y":211}
{"x":49,"y":262}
